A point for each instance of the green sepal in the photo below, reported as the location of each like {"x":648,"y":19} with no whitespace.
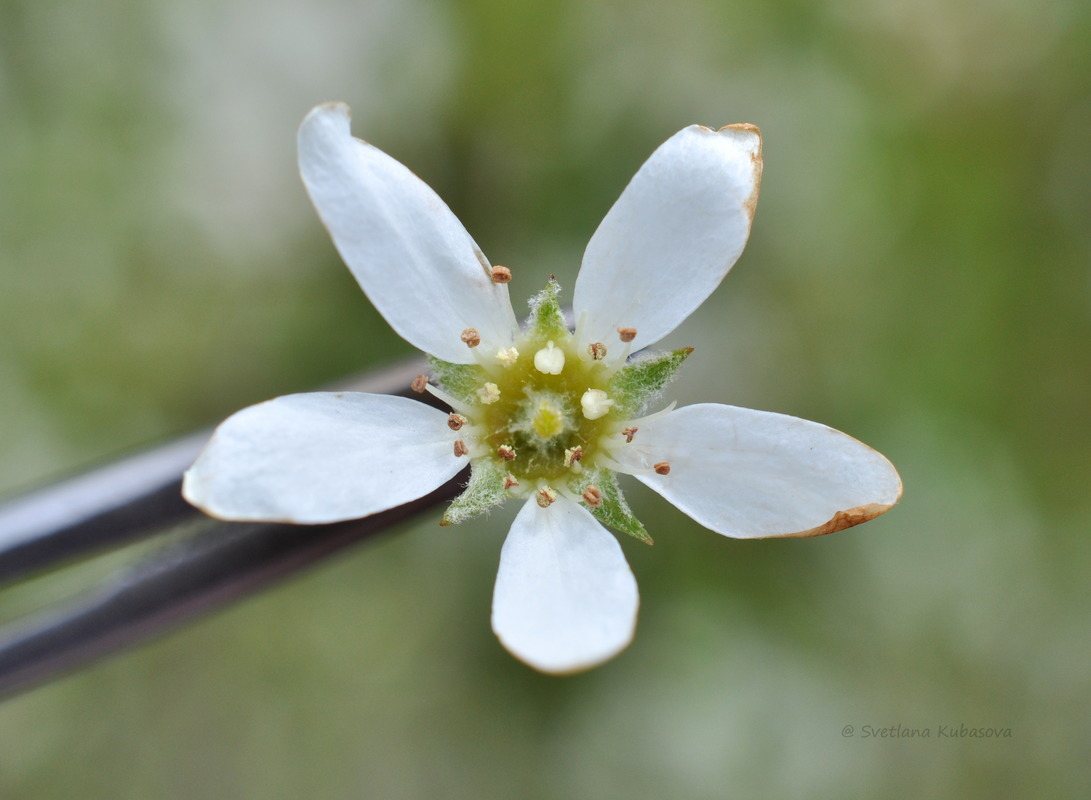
{"x":546,"y":321}
{"x":642,"y":379}
{"x":614,"y":510}
{"x":461,"y":381}
{"x":484,"y":491}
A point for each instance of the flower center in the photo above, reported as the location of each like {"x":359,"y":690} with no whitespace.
{"x":546,"y":416}
{"x":549,"y":418}
{"x":537,"y":419}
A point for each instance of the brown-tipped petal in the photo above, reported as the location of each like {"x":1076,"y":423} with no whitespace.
{"x":755,"y":474}
{"x":668,"y":241}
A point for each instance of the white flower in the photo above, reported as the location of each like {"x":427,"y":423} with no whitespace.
{"x":551,"y":427}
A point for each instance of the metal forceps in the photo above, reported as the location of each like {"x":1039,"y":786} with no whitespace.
{"x":183,"y":576}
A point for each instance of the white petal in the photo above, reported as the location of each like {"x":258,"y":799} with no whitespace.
{"x":751,"y":474}
{"x":565,"y":598}
{"x":408,"y":251}
{"x":676,"y":230}
{"x":322,"y":457}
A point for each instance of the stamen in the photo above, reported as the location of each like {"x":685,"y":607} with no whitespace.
{"x":501,"y":274}
{"x":662,"y":468}
{"x":572,"y":455}
{"x":489,"y":393}
{"x":506,"y":452}
{"x":549,"y":360}
{"x":545,"y":497}
{"x":581,"y":325}
{"x":666,"y":410}
{"x":596,"y":403}
{"x":471,"y":337}
{"x":455,"y":421}
{"x":597,"y":351}
{"x":419,"y":384}
{"x":629,"y":433}
{"x":507,"y":357}
{"x":460,"y":448}
{"x":510,"y":482}
{"x":626,"y":334}
{"x":592,"y":496}
{"x":605,"y":459}
{"x":446,"y":398}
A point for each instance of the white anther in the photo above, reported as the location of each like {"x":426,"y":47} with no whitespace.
{"x":507,"y":357}
{"x":596,"y":403}
{"x":572,"y":456}
{"x":549,"y":360}
{"x":489,"y":393}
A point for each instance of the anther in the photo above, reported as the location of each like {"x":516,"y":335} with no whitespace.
{"x":545,"y":497}
{"x":507,"y":357}
{"x":419,"y":383}
{"x":501,"y":274}
{"x":572,"y":455}
{"x":626,"y":334}
{"x":629,"y":433}
{"x":549,"y":360}
{"x":595,"y":403}
{"x":597,"y":351}
{"x":505,"y":452}
{"x":460,"y":448}
{"x":592,"y":496}
{"x":489,"y":393}
{"x":509,"y":481}
{"x":662,"y":468}
{"x":471,"y":337}
{"x":455,"y":421}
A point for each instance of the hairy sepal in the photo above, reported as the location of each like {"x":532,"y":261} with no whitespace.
{"x":643,"y":379}
{"x":546,"y":321}
{"x":461,"y":381}
{"x":614,"y":511}
{"x":484,"y":491}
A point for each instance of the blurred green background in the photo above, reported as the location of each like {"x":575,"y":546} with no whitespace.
{"x":918,"y":276}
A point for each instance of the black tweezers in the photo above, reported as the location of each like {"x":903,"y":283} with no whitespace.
{"x":138,"y":498}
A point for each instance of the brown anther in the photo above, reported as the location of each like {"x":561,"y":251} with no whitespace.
{"x":460,"y":448}
{"x":509,"y":481}
{"x":662,"y":468}
{"x":419,"y":383}
{"x":545,"y":497}
{"x":592,"y":496}
{"x":505,"y":452}
{"x":455,"y":421}
{"x":573,"y":455}
{"x":471,"y":337}
{"x":501,"y":274}
{"x":597,"y":351}
{"x":629,"y":433}
{"x":626,"y":334}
